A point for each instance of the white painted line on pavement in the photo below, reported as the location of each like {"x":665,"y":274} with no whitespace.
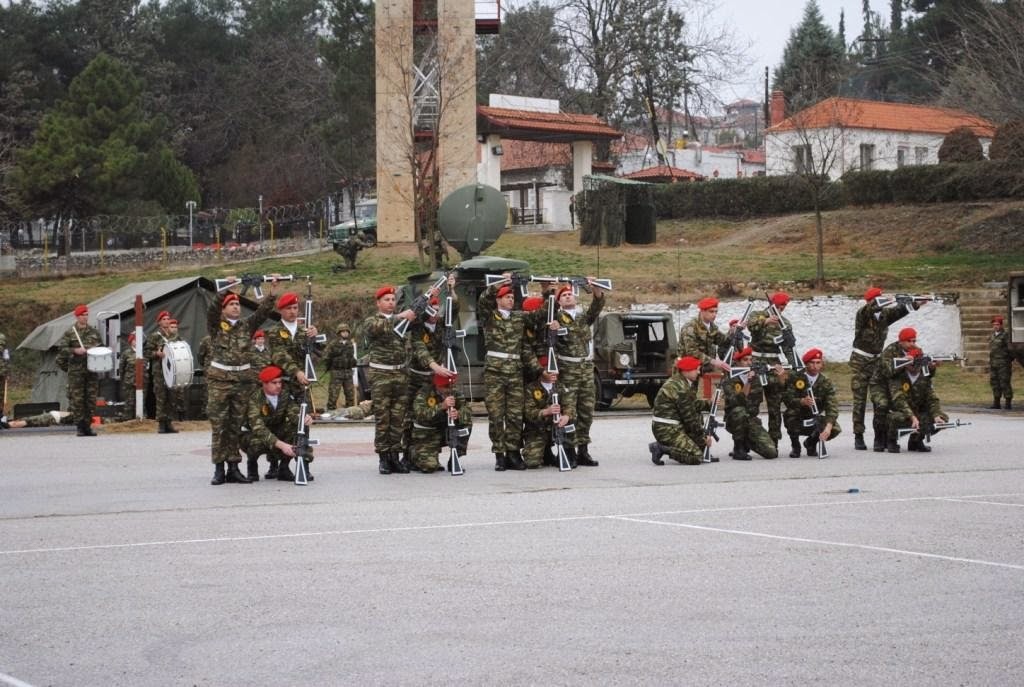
{"x":824,"y":542}
{"x":967,"y":499}
{"x":12,"y":681}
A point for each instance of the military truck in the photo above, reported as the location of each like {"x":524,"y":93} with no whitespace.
{"x":1015,"y":314}
{"x":633,"y":354}
{"x":364,"y":220}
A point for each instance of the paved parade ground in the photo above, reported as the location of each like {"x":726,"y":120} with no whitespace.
{"x":121,"y":565}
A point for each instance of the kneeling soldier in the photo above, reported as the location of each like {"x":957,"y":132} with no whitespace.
{"x":913,"y":405}
{"x":272,"y":418}
{"x":805,"y":392}
{"x":676,"y":423}
{"x":743,"y":395}
{"x":539,"y":412}
{"x":432,"y":408}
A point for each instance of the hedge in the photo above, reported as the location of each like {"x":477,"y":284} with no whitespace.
{"x":964,"y":182}
{"x":740,"y":198}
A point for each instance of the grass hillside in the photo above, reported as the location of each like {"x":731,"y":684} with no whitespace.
{"x":921,"y":248}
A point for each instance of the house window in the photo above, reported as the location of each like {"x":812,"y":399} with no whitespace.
{"x":920,"y":155}
{"x":803,"y":159}
{"x":902,"y":155}
{"x":867,"y":156}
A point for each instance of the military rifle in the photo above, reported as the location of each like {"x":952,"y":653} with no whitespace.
{"x":421,"y":305}
{"x":816,"y":422}
{"x":251,"y":281}
{"x":738,"y":339}
{"x":909,"y":301}
{"x":553,"y":334}
{"x":711,"y":423}
{"x":310,"y":345}
{"x":519,"y":282}
{"x":760,"y":368}
{"x":930,"y":428}
{"x":302,"y":445}
{"x":558,"y":437}
{"x":449,"y":336}
{"x":922,"y":364}
{"x":786,"y":340}
{"x":576,"y":283}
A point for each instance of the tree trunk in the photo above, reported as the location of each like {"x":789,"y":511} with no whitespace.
{"x":821,"y":241}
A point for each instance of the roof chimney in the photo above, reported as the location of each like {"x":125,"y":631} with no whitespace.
{"x":778,"y":111}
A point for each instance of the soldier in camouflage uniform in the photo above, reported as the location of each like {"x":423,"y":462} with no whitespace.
{"x":260,"y":358}
{"x":153,"y":352}
{"x":881,"y":387}
{"x":47,"y":419}
{"x":229,"y":364}
{"x":203,"y":354}
{"x":72,"y":355}
{"x":764,"y":328}
{"x":433,"y":405}
{"x":535,"y":339}
{"x":1000,"y":365}
{"x":339,"y":361}
{"x":508,"y":356}
{"x":287,"y":342}
{"x":272,"y":416}
{"x":389,"y":385}
{"x":702,"y":339}
{"x":539,"y":412}
{"x":676,"y":423}
{"x":913,"y":404}
{"x":871,"y":327}
{"x":126,"y":373}
{"x":743,"y":395}
{"x":797,"y":397}
{"x":576,"y":362}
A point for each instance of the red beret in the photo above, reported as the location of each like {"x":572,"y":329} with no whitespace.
{"x":81,"y":310}
{"x":813,"y":354}
{"x":287,"y":299}
{"x":997,"y":318}
{"x":872,"y":293}
{"x":567,"y":287}
{"x":384,"y":291}
{"x":434,"y":300}
{"x":230,"y":298}
{"x":504,"y":291}
{"x":259,"y":334}
{"x":270,"y":373}
{"x":443,"y":381}
{"x":533,"y":303}
{"x":707,"y":303}
{"x":743,"y":354}
{"x":162,"y":315}
{"x":543,"y":362}
{"x":687,"y":363}
{"x":780,"y":298}
{"x":908,"y":334}
{"x":173,"y":321}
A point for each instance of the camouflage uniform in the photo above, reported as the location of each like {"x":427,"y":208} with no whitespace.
{"x":81,"y":382}
{"x":47,"y":419}
{"x":537,"y":429}
{"x":339,"y":360}
{"x":227,"y":389}
{"x":507,"y":358}
{"x":765,"y":350}
{"x":126,"y":373}
{"x":389,"y":386}
{"x":166,"y":397}
{"x":430,"y":426}
{"x":743,"y":397}
{"x":911,"y":396}
{"x":797,"y":387}
{"x":267,"y":424}
{"x":1000,"y":368}
{"x":870,"y":330}
{"x":881,"y":392}
{"x":289,"y":353}
{"x":257,"y":361}
{"x":350,"y":247}
{"x":676,"y":422}
{"x":576,"y":366}
{"x":703,"y":342}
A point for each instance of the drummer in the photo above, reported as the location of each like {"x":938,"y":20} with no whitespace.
{"x":153,"y":352}
{"x":72,"y":357}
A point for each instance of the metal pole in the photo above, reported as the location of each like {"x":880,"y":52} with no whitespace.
{"x":191,"y":205}
{"x":261,"y":220}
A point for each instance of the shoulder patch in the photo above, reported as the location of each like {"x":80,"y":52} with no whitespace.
{"x":284,"y":334}
{"x":538,"y":394}
{"x":225,"y":327}
{"x":738,"y":387}
{"x":800,"y":384}
{"x":906,"y":387}
{"x":431,"y":401}
{"x":426,"y":338}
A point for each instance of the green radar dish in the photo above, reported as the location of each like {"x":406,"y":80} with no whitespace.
{"x":472,"y":218}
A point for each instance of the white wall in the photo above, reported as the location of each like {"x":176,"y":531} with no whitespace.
{"x":693,"y":158}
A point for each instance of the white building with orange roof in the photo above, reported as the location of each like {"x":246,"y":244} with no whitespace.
{"x":839,"y":135}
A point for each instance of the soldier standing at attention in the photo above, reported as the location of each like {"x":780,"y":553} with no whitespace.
{"x":153,"y":352}
{"x":72,"y":357}
{"x":701,"y":337}
{"x":388,"y":379}
{"x":340,"y":359}
{"x":539,"y":414}
{"x":272,"y":416}
{"x":871,"y":327}
{"x":764,"y":328}
{"x":576,"y":362}
{"x":229,"y":365}
{"x":797,"y":397}
{"x":676,"y":422}
{"x":507,"y":356}
{"x":881,"y":387}
{"x":743,"y":395}
{"x":126,"y":373}
{"x":1000,"y":365}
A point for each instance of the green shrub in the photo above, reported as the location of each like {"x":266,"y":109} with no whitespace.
{"x":868,"y":188}
{"x":961,"y":145}
{"x":739,"y":198}
{"x":1008,"y":142}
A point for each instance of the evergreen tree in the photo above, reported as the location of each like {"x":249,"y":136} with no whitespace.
{"x":812,"y":62}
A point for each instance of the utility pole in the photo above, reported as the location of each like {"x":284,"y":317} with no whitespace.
{"x":260,"y":220}
{"x":191,"y":205}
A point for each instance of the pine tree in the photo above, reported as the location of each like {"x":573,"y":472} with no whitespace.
{"x":812,"y":62}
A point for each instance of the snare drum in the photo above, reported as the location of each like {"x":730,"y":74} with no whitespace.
{"x":177,"y":364}
{"x":99,"y":359}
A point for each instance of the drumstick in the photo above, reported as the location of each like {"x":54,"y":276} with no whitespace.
{"x":74,"y":328}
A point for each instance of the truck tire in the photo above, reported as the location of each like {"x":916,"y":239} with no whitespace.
{"x":603,"y":399}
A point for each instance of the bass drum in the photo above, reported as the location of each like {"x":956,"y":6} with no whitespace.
{"x":99,"y":359}
{"x":177,"y":364}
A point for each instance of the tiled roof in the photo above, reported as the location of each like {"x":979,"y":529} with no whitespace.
{"x":663,"y":172}
{"x":544,"y":125}
{"x":533,"y":154}
{"x":871,"y":114}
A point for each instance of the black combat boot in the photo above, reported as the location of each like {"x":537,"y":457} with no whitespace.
{"x":858,"y":442}
{"x":383,"y":465}
{"x":794,"y":439}
{"x":583,"y":456}
{"x":995,"y":402}
{"x":1008,"y":404}
{"x":166,"y":428}
{"x":811,"y":444}
{"x":739,"y":450}
{"x":85,"y":429}
{"x":397,"y":464}
{"x":309,"y":475}
{"x":234,"y":475}
{"x":405,"y":460}
{"x":655,"y":448}
{"x":915,"y":443}
{"x":514,"y":460}
{"x":892,"y":445}
{"x":499,"y":462}
{"x":272,"y":470}
{"x":880,"y":433}
{"x":218,"y":474}
{"x":284,"y":473}
{"x":252,"y":468}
